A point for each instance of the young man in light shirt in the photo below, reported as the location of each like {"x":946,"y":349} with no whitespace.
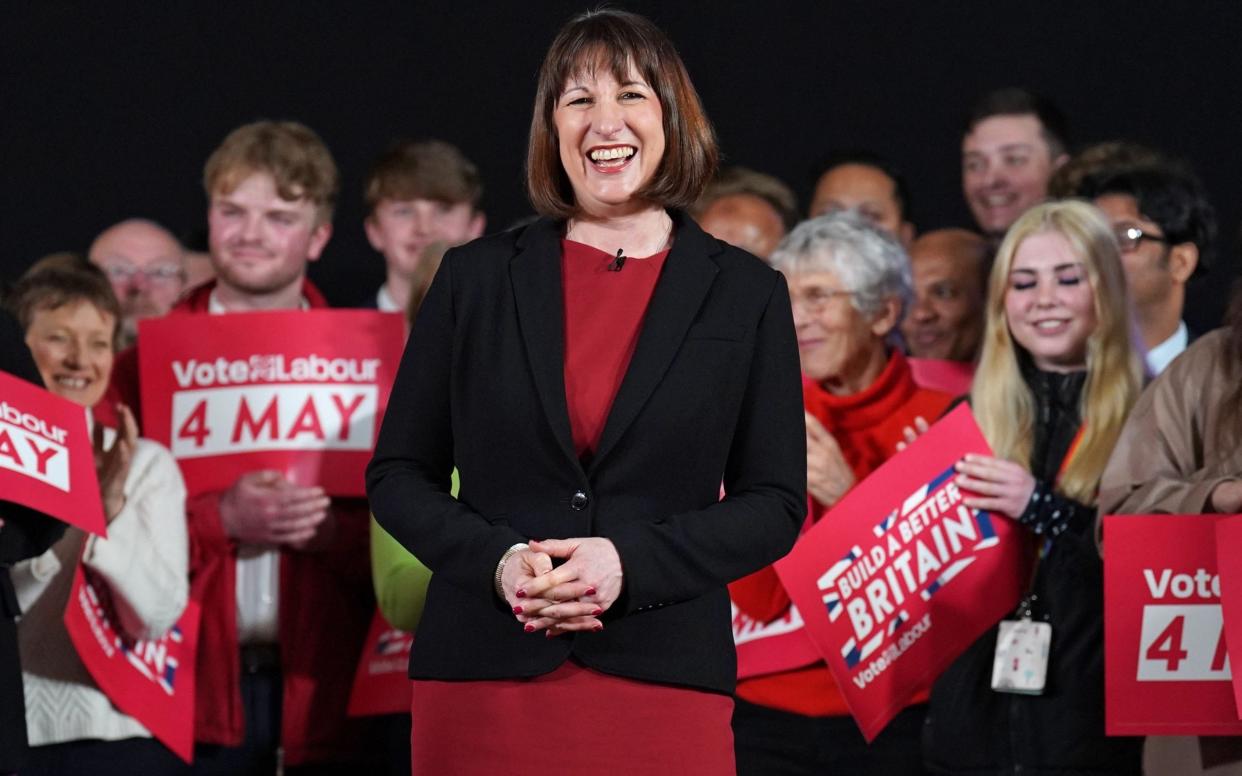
{"x":282,"y":571}
{"x":418,"y":193}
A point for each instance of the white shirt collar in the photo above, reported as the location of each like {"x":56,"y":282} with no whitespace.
{"x":384,"y":301}
{"x":215,"y":307}
{"x":1163,"y":354}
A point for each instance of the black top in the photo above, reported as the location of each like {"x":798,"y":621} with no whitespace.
{"x":25,"y":534}
{"x":712,"y":394}
{"x":972,"y":729}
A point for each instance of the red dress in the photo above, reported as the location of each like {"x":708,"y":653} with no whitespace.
{"x":576,"y":720}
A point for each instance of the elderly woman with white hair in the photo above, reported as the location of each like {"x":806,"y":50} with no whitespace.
{"x":849,"y":283}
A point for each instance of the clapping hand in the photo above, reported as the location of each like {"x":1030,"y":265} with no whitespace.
{"x":112,"y":463}
{"x":828,"y":476}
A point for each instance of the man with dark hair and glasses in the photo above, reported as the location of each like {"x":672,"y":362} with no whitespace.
{"x":1164,"y":225}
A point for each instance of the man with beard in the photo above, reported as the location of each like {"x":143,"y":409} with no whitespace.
{"x":281,"y":571}
{"x":145,"y":265}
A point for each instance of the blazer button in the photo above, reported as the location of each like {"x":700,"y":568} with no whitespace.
{"x":578,"y":501}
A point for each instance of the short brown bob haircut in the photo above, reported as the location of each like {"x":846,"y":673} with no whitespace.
{"x":291,"y":153}
{"x":61,"y":279}
{"x":618,"y":40}
{"x":424,"y":169}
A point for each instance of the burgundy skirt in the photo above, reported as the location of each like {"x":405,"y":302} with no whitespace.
{"x":571,"y":721}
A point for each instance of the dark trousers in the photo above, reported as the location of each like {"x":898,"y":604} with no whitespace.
{"x":259,"y":753}
{"x":396,"y":732}
{"x":770,"y":742}
{"x":92,"y":757}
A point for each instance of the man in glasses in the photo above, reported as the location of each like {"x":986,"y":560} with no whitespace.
{"x":146,"y":266}
{"x":1164,"y":226}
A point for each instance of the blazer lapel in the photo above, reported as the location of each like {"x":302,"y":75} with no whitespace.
{"x":535,"y":273}
{"x":683,"y":285}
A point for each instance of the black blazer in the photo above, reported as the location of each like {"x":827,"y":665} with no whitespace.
{"x":712,"y":394}
{"x":25,"y":534}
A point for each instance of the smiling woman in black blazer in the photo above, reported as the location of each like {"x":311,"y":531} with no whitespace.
{"x":594,"y":377}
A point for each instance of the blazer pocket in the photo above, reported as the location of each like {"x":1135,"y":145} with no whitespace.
{"x":716,"y":331}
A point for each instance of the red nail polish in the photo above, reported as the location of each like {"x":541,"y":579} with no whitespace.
{"x":599,"y":627}
{"x":520,"y":594}
{"x":529,"y":628}
{"x":598,"y":611}
{"x":517,"y":610}
{"x":590,"y":591}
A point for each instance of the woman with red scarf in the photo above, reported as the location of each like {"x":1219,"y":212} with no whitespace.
{"x":849,"y":283}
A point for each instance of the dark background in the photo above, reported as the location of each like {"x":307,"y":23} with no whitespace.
{"x":109,"y":110}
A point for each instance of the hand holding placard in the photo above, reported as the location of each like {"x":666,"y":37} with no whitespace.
{"x":1003,"y":486}
{"x":901,"y":575}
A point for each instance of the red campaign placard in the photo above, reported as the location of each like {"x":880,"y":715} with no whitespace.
{"x":46,"y":459}
{"x":301,"y":392}
{"x":151,"y":681}
{"x":900,"y":577}
{"x":381,"y":683}
{"x":1166,"y":669}
{"x":768,"y":648}
{"x":952,"y":377}
{"x":1228,"y":550}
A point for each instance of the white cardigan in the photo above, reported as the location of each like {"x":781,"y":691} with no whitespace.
{"x":145,"y":562}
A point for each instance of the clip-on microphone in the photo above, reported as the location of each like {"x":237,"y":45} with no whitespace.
{"x":616,"y":264}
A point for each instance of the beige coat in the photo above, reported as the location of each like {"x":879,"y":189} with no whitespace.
{"x":1167,"y":460}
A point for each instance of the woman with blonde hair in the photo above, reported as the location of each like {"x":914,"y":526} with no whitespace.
{"x":1056,"y":379}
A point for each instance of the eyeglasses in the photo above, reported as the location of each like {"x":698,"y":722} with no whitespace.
{"x":161,"y":274}
{"x":815,"y":300}
{"x":1129,"y":237}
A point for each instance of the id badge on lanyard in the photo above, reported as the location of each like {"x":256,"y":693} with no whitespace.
{"x":1020,"y":664}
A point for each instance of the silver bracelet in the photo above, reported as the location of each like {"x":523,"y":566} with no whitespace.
{"x":500,"y":567}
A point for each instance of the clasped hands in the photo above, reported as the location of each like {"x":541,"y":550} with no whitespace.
{"x":565,"y":598}
{"x":265,"y":508}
